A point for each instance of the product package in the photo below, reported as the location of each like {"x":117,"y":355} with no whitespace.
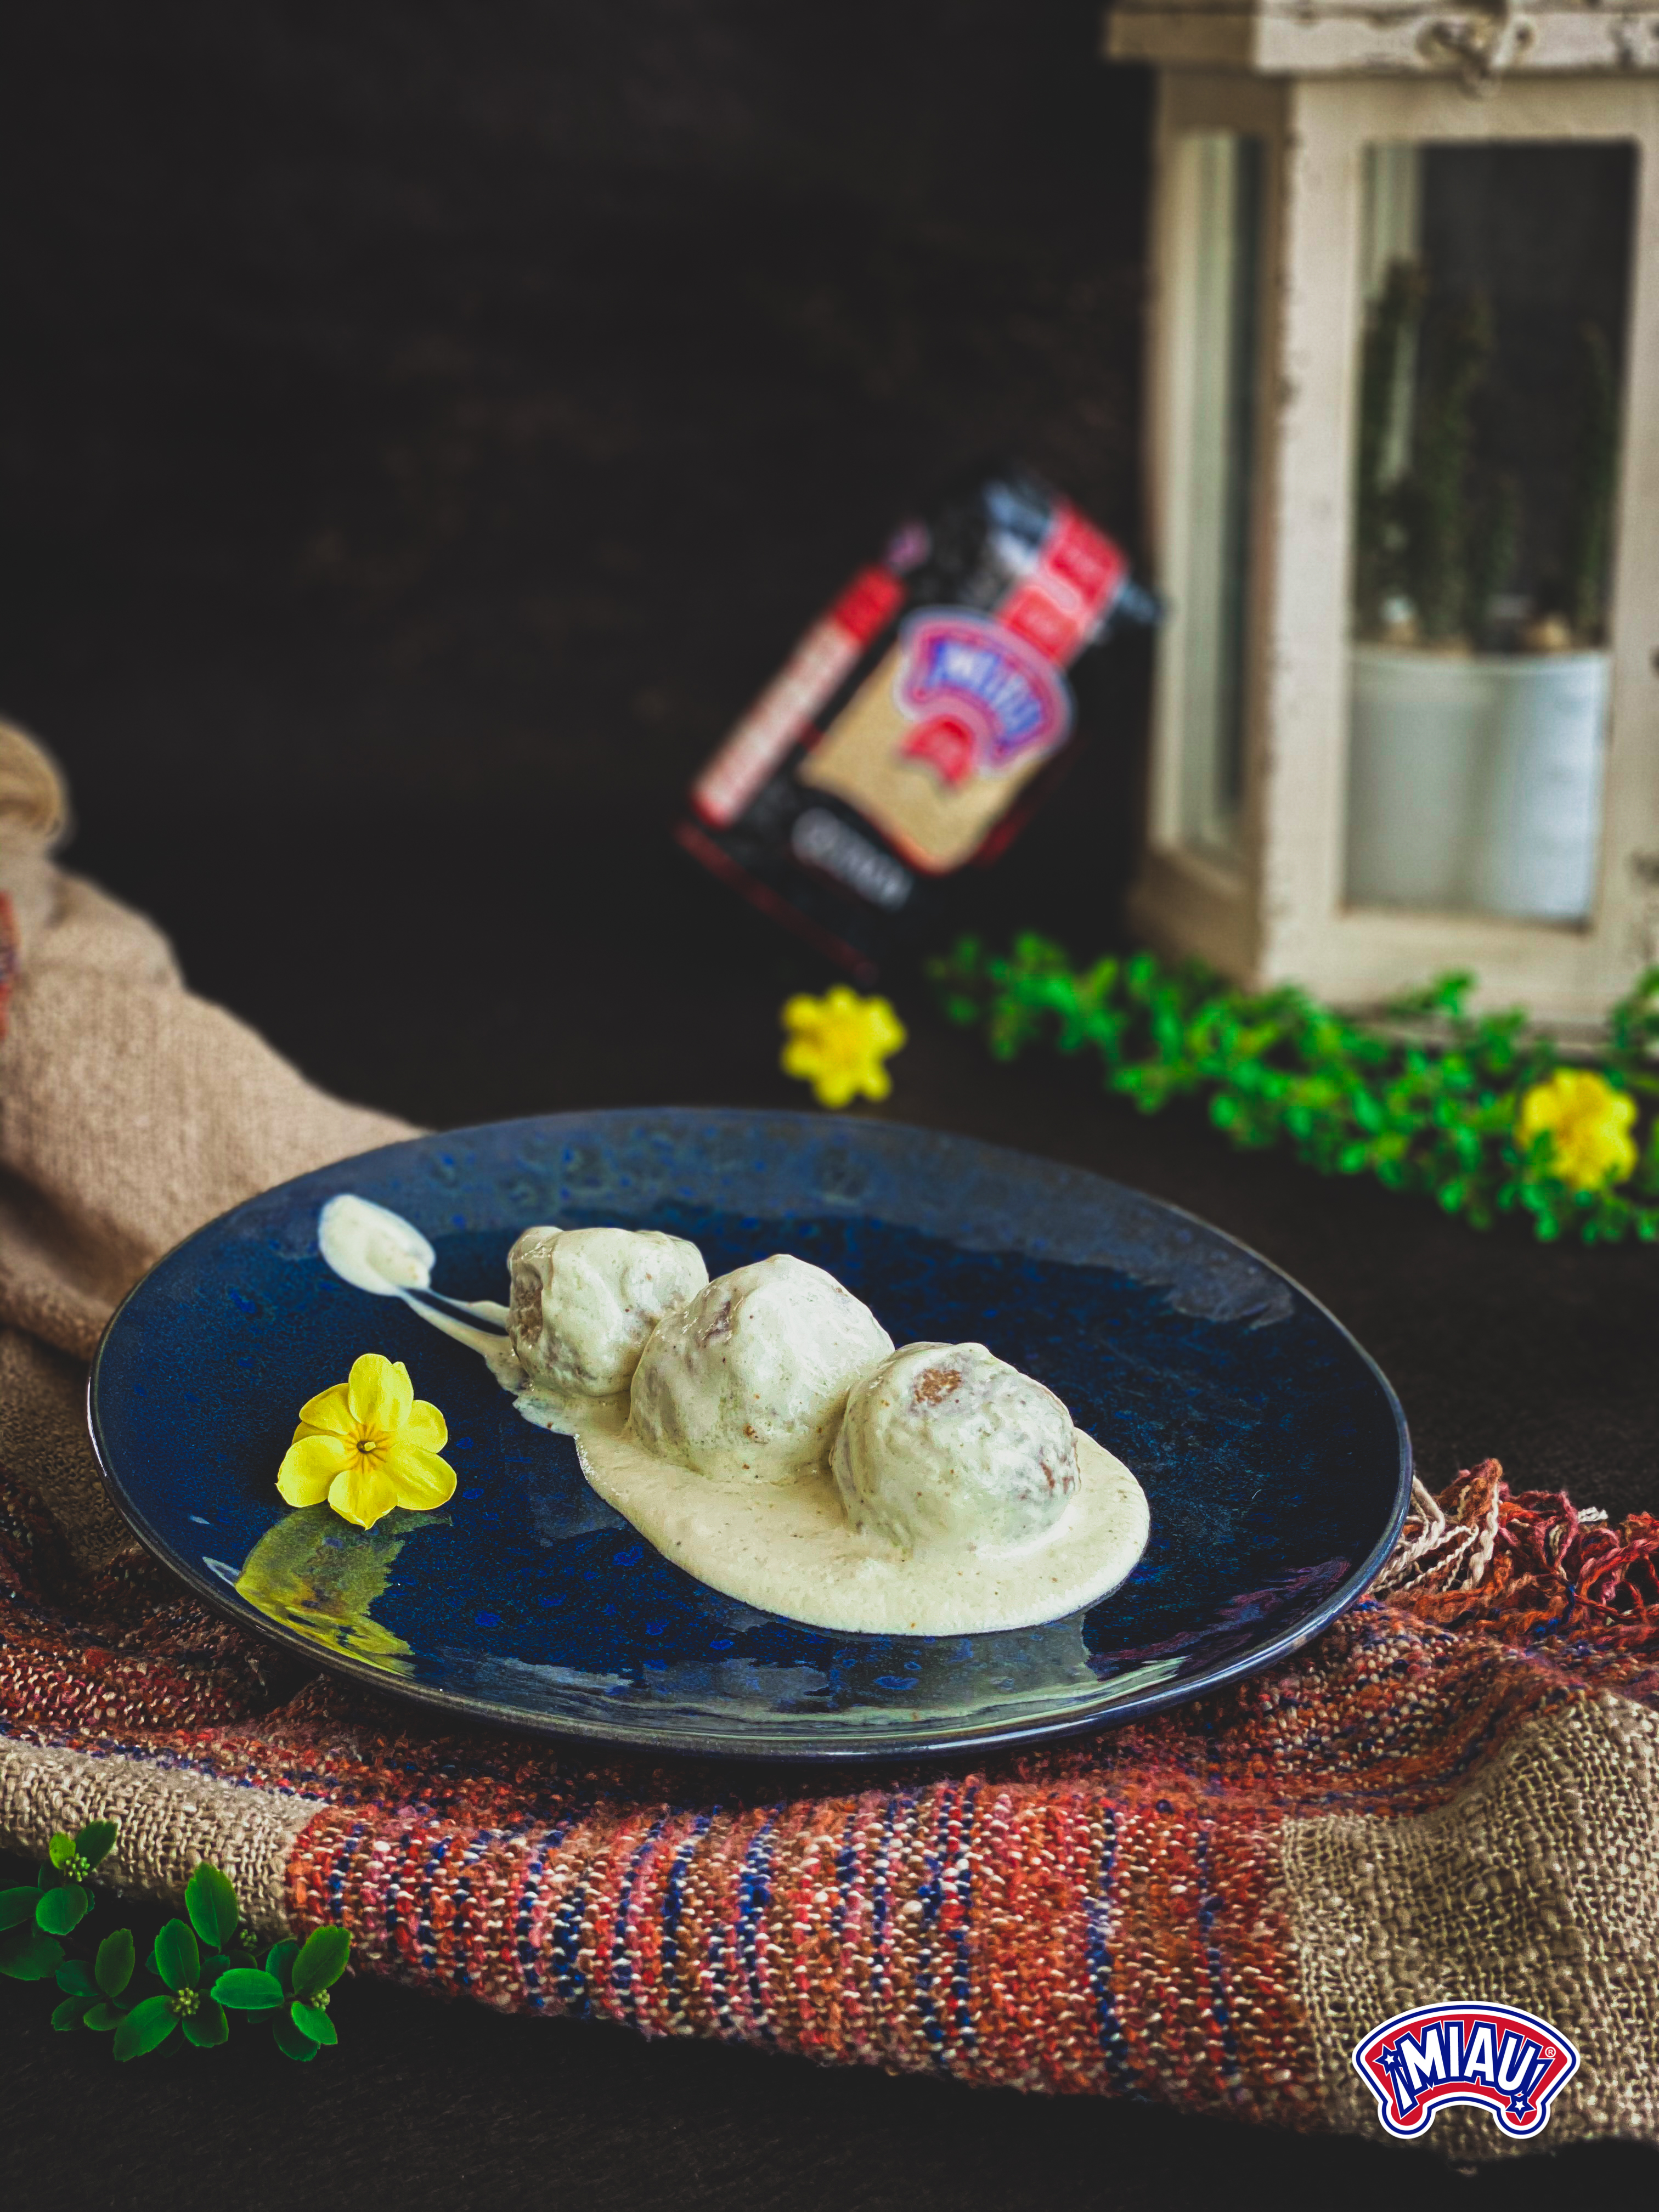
{"x":919,"y":722}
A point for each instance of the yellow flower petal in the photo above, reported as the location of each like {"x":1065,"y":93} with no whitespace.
{"x":419,"y":1479}
{"x":362,"y":1493}
{"x":380,"y":1394}
{"x":330,"y":1411}
{"x":801,"y":1059}
{"x":425,"y":1426}
{"x":309,"y":1466}
{"x":887,"y":1032}
{"x":835,"y":1087}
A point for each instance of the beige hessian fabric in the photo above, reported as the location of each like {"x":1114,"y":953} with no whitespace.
{"x":130,"y":1113}
{"x":1542,"y":1873}
{"x":43,"y":1434}
{"x":168,"y":1820}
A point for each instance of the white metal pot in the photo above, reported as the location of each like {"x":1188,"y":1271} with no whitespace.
{"x":1474,"y":780}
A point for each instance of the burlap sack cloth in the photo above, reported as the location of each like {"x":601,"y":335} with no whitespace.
{"x":1454,"y":1794}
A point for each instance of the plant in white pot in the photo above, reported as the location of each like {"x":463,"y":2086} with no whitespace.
{"x":1478,"y":718}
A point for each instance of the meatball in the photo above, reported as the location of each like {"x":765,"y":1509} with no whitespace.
{"x":750,"y":1378}
{"x":585,"y":1300}
{"x":947,"y":1448}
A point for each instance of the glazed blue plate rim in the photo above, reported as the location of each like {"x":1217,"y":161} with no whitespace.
{"x":796,"y":1739}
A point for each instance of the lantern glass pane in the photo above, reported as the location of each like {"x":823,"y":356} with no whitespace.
{"x":1496,"y":282}
{"x":1216,"y":182}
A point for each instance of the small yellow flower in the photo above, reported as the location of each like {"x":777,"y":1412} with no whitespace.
{"x":368,"y":1444}
{"x":837,"y":1044}
{"x":1588,"y":1125}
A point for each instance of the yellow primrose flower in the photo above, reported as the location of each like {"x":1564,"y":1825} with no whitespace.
{"x":368,"y":1444}
{"x":837,"y":1044}
{"x":1588,"y":1125}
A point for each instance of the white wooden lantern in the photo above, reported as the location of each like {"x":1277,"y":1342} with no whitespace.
{"x":1404,"y":457}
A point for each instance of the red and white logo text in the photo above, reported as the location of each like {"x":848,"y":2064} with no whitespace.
{"x":979,"y":700}
{"x":1508,"y":2064}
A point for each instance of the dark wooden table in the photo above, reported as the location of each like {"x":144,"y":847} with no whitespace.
{"x":630,"y":981}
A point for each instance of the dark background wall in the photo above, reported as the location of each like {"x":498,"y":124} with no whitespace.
{"x":449,"y":414}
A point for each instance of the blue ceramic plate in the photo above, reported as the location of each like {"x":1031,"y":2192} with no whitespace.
{"x":1272,"y":1452}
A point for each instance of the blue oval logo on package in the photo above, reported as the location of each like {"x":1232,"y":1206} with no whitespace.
{"x":1510,"y":2064}
{"x":980,"y":698}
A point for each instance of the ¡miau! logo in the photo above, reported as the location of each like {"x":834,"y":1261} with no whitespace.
{"x":1508,"y":2064}
{"x":981,"y":700}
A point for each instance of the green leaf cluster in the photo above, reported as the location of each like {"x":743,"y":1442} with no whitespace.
{"x":35,"y":1916}
{"x":293,"y":1987}
{"x":200,"y":1964}
{"x":1424,"y":1101}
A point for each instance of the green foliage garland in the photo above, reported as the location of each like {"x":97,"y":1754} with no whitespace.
{"x":202,"y":1966}
{"x":1426,"y":1101}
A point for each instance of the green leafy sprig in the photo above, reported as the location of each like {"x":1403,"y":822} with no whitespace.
{"x":203,"y":1965}
{"x":293,"y":1988}
{"x":35,"y":1916}
{"x":1424,"y":1100}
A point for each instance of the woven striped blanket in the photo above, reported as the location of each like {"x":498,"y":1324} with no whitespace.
{"x":1454,"y":1793}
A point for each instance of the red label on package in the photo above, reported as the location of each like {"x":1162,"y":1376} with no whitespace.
{"x":1078,"y":574}
{"x":823,"y":660}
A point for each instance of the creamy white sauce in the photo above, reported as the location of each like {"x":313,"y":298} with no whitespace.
{"x":372,"y":1248}
{"x":568,"y":1414}
{"x":785,"y":1547}
{"x":376,"y":1250}
{"x":788,"y":1547}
